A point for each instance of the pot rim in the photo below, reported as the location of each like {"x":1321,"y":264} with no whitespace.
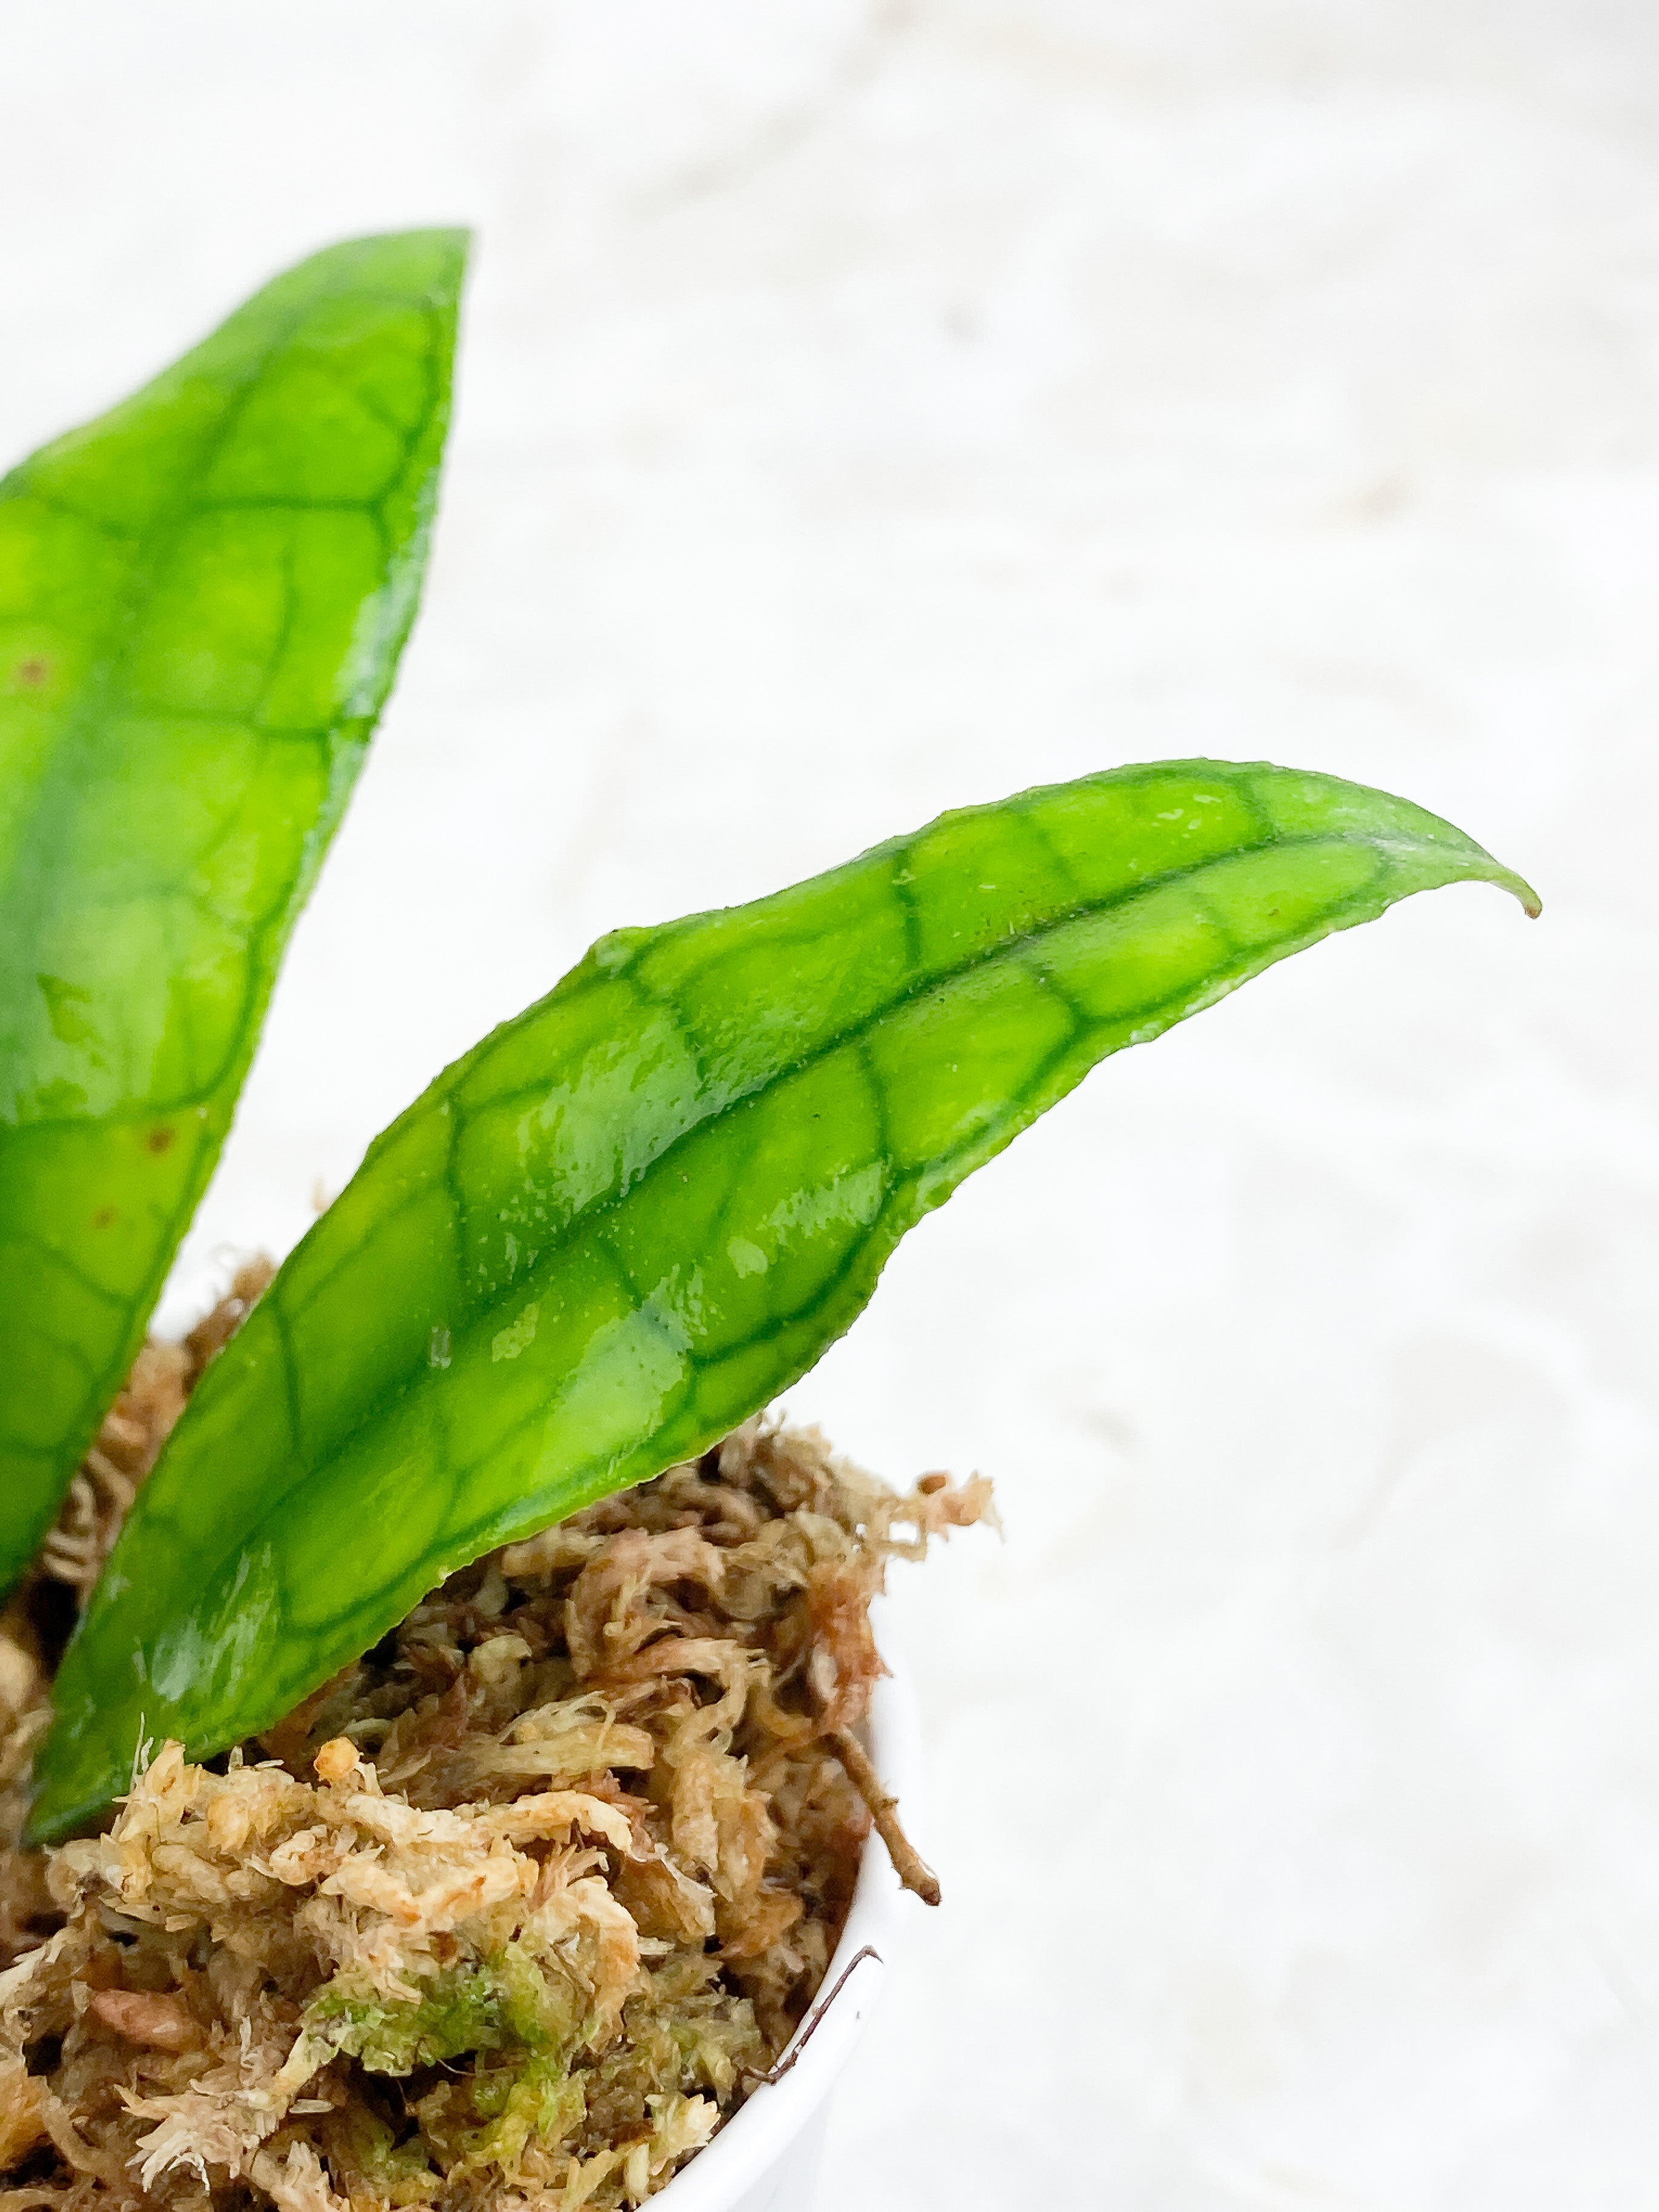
{"x":756,"y":2138}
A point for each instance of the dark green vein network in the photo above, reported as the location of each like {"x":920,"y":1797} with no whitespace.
{"x":629,"y":1219}
{"x":202,"y":597}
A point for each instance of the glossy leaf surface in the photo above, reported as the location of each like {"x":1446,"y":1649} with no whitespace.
{"x":630,"y":1216}
{"x":202,"y":597}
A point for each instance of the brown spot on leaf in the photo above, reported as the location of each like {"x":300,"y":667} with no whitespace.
{"x":105,"y":1216}
{"x":33,"y":672}
{"x":160,"y":1138}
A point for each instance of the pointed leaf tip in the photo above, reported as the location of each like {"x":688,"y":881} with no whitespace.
{"x":629,"y":1218}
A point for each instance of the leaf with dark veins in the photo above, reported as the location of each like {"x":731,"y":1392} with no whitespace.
{"x":630,"y":1216}
{"x":202,"y":597}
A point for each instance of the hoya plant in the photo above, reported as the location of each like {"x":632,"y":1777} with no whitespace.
{"x":202,"y":598}
{"x":628,"y":1219}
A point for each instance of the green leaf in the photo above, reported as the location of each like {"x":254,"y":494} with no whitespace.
{"x":202,"y":597}
{"x":630,"y":1216}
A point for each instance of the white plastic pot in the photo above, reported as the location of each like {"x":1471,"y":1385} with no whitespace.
{"x":766,"y":2158}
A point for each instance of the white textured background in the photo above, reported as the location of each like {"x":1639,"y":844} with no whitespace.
{"x":870,"y":405}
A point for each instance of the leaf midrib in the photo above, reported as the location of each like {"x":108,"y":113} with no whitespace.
{"x":895,"y":1186}
{"x":100,"y":691}
{"x":589,"y":1215}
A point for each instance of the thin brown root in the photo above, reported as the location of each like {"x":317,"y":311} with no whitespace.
{"x":908,"y":1864}
{"x":773,"y":2074}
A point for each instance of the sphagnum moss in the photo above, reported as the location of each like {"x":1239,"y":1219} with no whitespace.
{"x":516,"y":1909}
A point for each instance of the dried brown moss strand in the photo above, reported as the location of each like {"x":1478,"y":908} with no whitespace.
{"x":912,"y":1870}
